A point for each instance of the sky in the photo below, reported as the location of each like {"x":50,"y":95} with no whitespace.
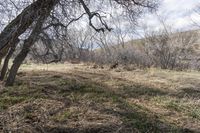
{"x":179,"y":14}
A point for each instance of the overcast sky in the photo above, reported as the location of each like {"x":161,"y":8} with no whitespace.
{"x":177,"y":13}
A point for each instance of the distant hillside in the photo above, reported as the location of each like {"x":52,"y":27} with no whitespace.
{"x":138,"y":43}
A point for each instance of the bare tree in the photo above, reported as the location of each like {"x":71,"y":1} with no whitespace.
{"x":168,"y":49}
{"x":40,"y":15}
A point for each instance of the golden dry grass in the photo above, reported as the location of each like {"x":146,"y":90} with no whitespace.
{"x":76,"y":98}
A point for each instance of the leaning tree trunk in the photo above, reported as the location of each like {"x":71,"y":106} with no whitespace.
{"x":23,"y":53}
{"x":29,"y":42}
{"x":21,"y":23}
{"x":6,"y":61}
{"x":16,"y":64}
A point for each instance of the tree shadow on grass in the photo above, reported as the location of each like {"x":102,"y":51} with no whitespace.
{"x":137,"y":91}
{"x":90,"y":129}
{"x":59,"y":86}
{"x":193,"y":93}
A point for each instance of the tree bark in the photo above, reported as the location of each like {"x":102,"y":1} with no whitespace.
{"x":16,"y":64}
{"x":21,"y":23}
{"x":28,"y":43}
{"x":6,"y":61}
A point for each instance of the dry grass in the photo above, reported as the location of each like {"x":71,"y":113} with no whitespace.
{"x":75,"y":98}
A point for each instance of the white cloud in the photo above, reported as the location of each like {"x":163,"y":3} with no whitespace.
{"x":177,"y":13}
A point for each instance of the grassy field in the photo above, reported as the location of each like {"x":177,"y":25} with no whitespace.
{"x":66,"y":98}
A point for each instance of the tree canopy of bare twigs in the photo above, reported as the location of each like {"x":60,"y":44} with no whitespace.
{"x":49,"y":19}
